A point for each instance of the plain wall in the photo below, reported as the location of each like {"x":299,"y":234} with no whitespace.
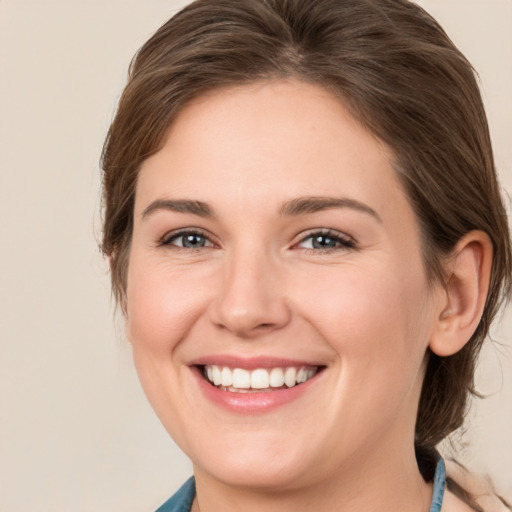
{"x":76,"y":433}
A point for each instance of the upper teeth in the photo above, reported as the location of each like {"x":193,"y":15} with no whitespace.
{"x":260,"y":378}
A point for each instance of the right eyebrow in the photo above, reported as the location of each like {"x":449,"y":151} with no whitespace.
{"x":181,"y":206}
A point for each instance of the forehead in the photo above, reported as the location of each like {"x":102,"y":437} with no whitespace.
{"x":254,"y":138}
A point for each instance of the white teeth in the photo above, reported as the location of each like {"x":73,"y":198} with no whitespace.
{"x":226,"y":377}
{"x":276,"y":378}
{"x":216,"y":375}
{"x":241,"y":379}
{"x":289,"y":377}
{"x":261,"y":378}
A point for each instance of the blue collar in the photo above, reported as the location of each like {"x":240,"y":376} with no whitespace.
{"x":182,"y":500}
{"x":439,"y":485}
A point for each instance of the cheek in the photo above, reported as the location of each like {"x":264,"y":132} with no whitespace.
{"x":162,"y":305}
{"x":378,"y":316}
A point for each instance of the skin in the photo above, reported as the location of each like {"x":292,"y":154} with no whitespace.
{"x":363,"y":309}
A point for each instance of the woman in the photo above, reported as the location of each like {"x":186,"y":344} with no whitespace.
{"x":308,"y":243}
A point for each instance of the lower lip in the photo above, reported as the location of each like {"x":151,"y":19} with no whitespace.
{"x":254,"y":402}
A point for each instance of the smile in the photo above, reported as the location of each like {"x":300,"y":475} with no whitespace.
{"x":239,"y":380}
{"x":255,"y":385}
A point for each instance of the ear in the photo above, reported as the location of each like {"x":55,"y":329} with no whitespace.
{"x":463,"y":299}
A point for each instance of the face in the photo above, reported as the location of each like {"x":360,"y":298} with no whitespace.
{"x":277,"y":301}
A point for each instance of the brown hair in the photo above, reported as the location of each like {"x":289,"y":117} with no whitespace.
{"x":398,"y":73}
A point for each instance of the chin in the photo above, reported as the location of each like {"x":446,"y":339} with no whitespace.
{"x":262,"y":475}
{"x":263,"y":464}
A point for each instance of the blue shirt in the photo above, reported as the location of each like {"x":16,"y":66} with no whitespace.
{"x":182,"y":500}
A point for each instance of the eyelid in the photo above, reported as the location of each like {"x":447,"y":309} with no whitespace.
{"x":347,"y":242}
{"x":171,"y":235}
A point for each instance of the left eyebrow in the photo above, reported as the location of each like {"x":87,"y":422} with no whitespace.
{"x":305,"y":205}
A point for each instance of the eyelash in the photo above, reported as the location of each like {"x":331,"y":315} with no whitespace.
{"x":342,"y":242}
{"x":175,"y":235}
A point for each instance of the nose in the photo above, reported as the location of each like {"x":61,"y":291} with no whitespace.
{"x":250,"y":301}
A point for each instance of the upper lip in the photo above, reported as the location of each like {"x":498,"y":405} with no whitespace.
{"x":249,"y":363}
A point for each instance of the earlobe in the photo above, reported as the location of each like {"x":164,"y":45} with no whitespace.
{"x":465,"y":293}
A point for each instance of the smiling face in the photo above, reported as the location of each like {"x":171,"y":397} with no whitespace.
{"x":273,"y":243}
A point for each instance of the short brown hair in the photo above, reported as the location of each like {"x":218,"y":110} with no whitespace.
{"x":399,"y":74}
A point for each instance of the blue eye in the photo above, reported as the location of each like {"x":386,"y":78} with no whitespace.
{"x":326,"y":241}
{"x":188,"y":240}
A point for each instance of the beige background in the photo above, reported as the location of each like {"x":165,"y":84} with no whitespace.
{"x":75,"y":431}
